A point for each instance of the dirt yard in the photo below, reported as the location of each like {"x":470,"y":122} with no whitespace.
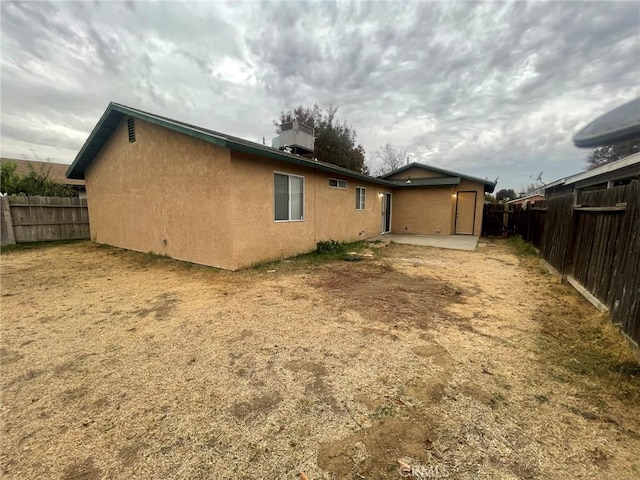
{"x":459,"y":364}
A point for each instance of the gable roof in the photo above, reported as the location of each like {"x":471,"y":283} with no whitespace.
{"x":55,"y":171}
{"x":115,"y":112}
{"x":489,"y":185}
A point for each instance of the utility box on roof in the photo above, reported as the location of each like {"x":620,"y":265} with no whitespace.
{"x":297,"y":137}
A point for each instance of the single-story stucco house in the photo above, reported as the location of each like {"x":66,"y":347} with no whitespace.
{"x":159,"y":185}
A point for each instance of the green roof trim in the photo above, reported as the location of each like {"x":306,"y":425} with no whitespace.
{"x":268,"y":152}
{"x":115,"y":112}
{"x":489,"y":185}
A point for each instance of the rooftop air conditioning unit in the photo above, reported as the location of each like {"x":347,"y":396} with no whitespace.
{"x":295,"y":136}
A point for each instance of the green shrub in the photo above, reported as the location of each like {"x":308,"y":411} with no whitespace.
{"x":33,"y":183}
{"x":330,"y":246}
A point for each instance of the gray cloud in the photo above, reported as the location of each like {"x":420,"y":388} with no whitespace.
{"x":485,"y":88}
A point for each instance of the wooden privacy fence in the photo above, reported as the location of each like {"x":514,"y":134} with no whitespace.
{"x":38,"y":219}
{"x":593,"y":240}
{"x":506,"y":220}
{"x":498,"y":219}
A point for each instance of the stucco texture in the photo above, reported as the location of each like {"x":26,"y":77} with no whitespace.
{"x":176,"y":195}
{"x":415,"y":172}
{"x":329,"y":213}
{"x":424,"y":211}
{"x":166,"y":193}
{"x":431,"y":210}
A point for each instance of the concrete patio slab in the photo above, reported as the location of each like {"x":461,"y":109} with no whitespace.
{"x":452,"y":242}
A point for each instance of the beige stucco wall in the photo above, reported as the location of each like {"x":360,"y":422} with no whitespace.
{"x":425,"y":211}
{"x":171,"y":200}
{"x":336,"y":214}
{"x":415,"y":172}
{"x":329,"y":213}
{"x":176,"y":195}
{"x":431,"y":210}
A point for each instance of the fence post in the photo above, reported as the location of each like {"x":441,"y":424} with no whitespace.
{"x":567,"y":260}
{"x":505,"y":221}
{"x":8,"y":234}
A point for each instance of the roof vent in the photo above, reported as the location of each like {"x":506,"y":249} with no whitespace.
{"x":131,"y":127}
{"x":296,"y":137}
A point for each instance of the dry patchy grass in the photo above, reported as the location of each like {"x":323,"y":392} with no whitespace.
{"x":122,"y":365}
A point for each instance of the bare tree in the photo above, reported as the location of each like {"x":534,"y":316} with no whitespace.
{"x":535,"y":187}
{"x":389,"y":158}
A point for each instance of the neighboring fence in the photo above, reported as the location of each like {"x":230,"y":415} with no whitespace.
{"x":506,"y":220}
{"x":498,"y":219}
{"x":593,"y":240}
{"x":38,"y":219}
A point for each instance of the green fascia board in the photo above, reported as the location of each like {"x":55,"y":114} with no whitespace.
{"x":304,"y":162}
{"x":82,"y":160}
{"x":235,"y":143}
{"x":173,"y":125}
{"x":440,"y":170}
{"x":109,"y":121}
{"x":115,"y":112}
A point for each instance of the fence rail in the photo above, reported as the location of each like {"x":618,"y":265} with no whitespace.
{"x":592,"y":240}
{"x":38,"y":219}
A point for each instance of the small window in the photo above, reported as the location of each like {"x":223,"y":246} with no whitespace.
{"x":335,"y":183}
{"x":131,"y":127}
{"x":288,"y":197}
{"x":360,"y":198}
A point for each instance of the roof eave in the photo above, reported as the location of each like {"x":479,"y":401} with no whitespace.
{"x":98,"y":136}
{"x":555,"y":184}
{"x":626,"y":162}
{"x":73,"y":171}
{"x":428,"y":183}
{"x":303,"y":162}
{"x":162,"y":122}
{"x":489,"y":185}
{"x":103,"y":131}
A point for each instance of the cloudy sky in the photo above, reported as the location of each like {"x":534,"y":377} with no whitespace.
{"x":488,"y":89}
